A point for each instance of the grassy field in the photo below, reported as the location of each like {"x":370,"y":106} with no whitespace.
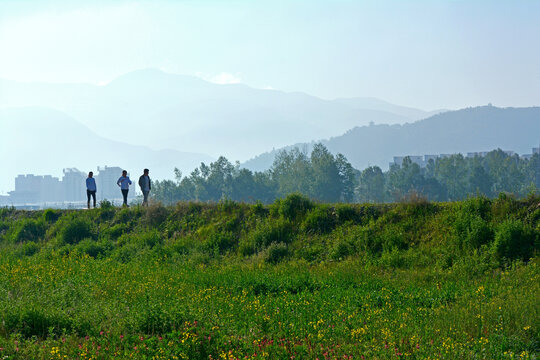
{"x":293,"y":280}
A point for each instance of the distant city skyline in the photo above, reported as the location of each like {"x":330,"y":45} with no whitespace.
{"x":425,"y":54}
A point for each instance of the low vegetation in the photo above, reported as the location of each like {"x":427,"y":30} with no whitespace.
{"x":295,"y":279}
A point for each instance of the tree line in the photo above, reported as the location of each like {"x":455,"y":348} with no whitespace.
{"x":325,"y":177}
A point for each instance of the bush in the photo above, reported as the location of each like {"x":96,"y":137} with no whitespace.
{"x":115,"y":231}
{"x":93,"y":248}
{"x":479,"y":205}
{"x":51,"y":215}
{"x":148,"y":239}
{"x":472,"y":230}
{"x":28,"y":249}
{"x":320,"y":219}
{"x":275,"y":253}
{"x":259,"y":210}
{"x":272,"y":231}
{"x":393,"y":237}
{"x":341,"y":250}
{"x":33,"y":322}
{"x":346,"y":212}
{"x":29,"y":230}
{"x":293,"y":206}
{"x":514,"y":240}
{"x":75,"y":231}
{"x":220,"y":241}
{"x":123,"y":216}
{"x":155,"y":215}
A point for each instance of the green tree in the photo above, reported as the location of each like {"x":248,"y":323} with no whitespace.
{"x":371,"y":185}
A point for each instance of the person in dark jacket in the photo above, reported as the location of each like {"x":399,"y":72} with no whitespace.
{"x":146,"y":185}
{"x":91,"y":188}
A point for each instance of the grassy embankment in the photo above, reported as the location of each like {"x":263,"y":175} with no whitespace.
{"x":291,"y":280}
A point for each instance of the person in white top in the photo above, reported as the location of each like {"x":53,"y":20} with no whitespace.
{"x":124,"y":183}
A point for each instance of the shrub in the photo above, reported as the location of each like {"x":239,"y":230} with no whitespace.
{"x":33,"y":322}
{"x":76,"y":230}
{"x":155,"y":215}
{"x":294,"y":206}
{"x":320,"y":219}
{"x":28,"y":249}
{"x":276,"y":252}
{"x":393,"y":237}
{"x":28,"y":230}
{"x":106,"y":210}
{"x":246,"y":247}
{"x":123,"y":216}
{"x":341,"y":249}
{"x":259,"y":210}
{"x":479,"y":205}
{"x":51,"y":215}
{"x":106,"y":204}
{"x":93,"y":248}
{"x":504,"y":206}
{"x":227,"y":206}
{"x":272,"y":231}
{"x":220,"y":241}
{"x":514,"y":240}
{"x":148,"y":239}
{"x":472,"y":230}
{"x":125,"y":253}
{"x":346,"y":212}
{"x":115,"y":231}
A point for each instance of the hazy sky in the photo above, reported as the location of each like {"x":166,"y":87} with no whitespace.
{"x":426,"y":54}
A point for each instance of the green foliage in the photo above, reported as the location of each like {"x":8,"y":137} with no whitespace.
{"x":115,"y":231}
{"x":293,"y":206}
{"x":220,"y":241}
{"x":275,"y":253}
{"x":74,"y":230}
{"x":514,"y":240}
{"x":51,"y":215}
{"x":341,"y":249}
{"x":277,"y":231}
{"x":28,"y":230}
{"x":28,"y":249}
{"x":155,"y":215}
{"x":471,"y":230}
{"x":321,"y":219}
{"x":32,"y":322}
{"x":378,"y":280}
{"x":92,"y":248}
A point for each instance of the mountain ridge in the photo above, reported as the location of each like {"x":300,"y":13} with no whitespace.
{"x":187,"y":113}
{"x":489,"y":128}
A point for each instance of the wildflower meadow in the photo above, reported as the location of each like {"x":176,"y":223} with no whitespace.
{"x":291,"y":280}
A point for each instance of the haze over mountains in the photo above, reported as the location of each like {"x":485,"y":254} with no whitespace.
{"x":482,"y":128}
{"x":153,"y":119}
{"x":186,"y":113}
{"x":43,"y":151}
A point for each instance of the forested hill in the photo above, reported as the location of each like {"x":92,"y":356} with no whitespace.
{"x":472,"y":129}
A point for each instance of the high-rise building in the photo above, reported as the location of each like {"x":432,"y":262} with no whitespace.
{"x":106,"y":184}
{"x":73,"y":185}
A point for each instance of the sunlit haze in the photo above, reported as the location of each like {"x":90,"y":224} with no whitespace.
{"x":425,"y":54}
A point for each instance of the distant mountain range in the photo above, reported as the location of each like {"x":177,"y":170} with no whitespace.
{"x":468,"y":130}
{"x":184,"y":113}
{"x":43,"y":141}
{"x":153,"y":119}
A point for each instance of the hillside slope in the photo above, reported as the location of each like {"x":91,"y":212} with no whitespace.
{"x":186,"y":113}
{"x":473,"y":129}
